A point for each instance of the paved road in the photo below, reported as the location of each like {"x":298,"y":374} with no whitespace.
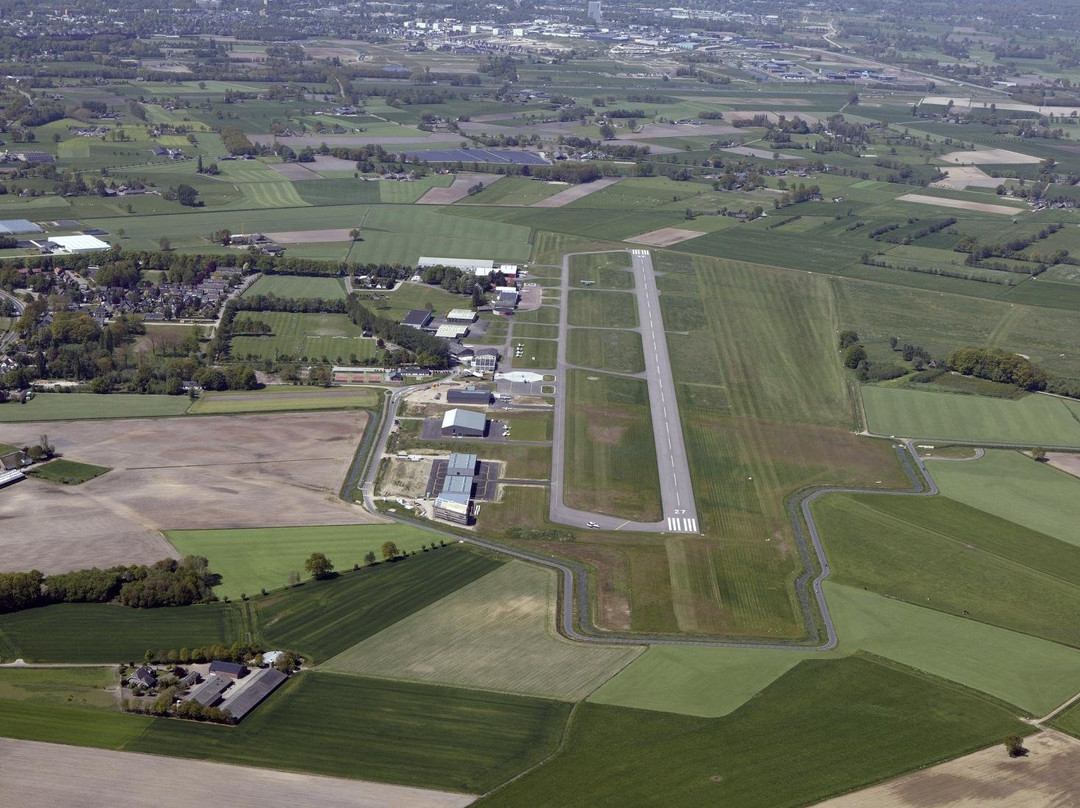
{"x":9,"y":336}
{"x":676,"y":489}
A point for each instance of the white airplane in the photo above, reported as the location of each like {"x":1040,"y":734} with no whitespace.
{"x":593,"y":524}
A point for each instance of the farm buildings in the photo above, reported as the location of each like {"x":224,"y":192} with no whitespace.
{"x":224,"y":688}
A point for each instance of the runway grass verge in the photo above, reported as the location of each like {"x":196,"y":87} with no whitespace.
{"x":250,"y":560}
{"x":497,"y":633}
{"x":66,"y":472}
{"x":323,"y":618}
{"x":899,"y":720}
{"x":1034,"y":419}
{"x":1015,"y":487}
{"x":603,"y":309}
{"x":611,"y":462}
{"x":78,"y":406}
{"x":616,"y":351}
{"x":347,"y":726}
{"x":944,"y":555}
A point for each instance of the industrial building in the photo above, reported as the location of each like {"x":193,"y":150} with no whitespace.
{"x":72,"y":245}
{"x":452,"y":331}
{"x":454,"y":502}
{"x":477,"y":266}
{"x":459,"y":423}
{"x":17,"y":227}
{"x":461,"y":465}
{"x":417,"y":318}
{"x":469,"y":395}
{"x":455,"y":315}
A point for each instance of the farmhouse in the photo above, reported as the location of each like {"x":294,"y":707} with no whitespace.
{"x":145,"y":676}
{"x":459,"y":423}
{"x":468,"y":395}
{"x":417,"y":318}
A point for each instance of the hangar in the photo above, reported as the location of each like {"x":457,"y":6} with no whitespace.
{"x":464,"y":423}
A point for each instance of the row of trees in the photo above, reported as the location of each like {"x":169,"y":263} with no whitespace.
{"x":164,"y":583}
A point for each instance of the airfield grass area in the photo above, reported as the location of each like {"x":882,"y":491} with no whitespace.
{"x":347,"y":726}
{"x":1034,"y":419}
{"x":941,"y":554}
{"x":66,"y":472}
{"x":297,"y":287}
{"x":270,"y":400}
{"x":497,"y":633}
{"x":535,"y":354}
{"x":331,"y":337}
{"x":323,"y":618}
{"x":77,"y":687}
{"x":898,"y":719}
{"x":603,"y":309}
{"x":95,"y":632}
{"x":261,"y":558}
{"x":615,"y":351}
{"x":610,"y":451}
{"x":77,"y":406}
{"x":1014,"y":487}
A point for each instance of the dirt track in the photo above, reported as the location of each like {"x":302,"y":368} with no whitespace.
{"x":575,"y":192}
{"x":961,"y":204}
{"x":1048,"y":777}
{"x":176,"y":473}
{"x":50,"y":774}
{"x":458,"y":189}
{"x":665,"y":237}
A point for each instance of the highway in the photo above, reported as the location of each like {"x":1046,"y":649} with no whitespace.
{"x":676,"y":488}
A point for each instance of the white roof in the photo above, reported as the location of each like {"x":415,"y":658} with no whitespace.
{"x":455,"y":503}
{"x":451,"y":331}
{"x":78,"y":244}
{"x":457,"y":263}
{"x":461,"y":314}
{"x":469,"y":419}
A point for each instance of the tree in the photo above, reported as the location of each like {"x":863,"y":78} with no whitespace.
{"x":319,"y":566}
{"x":164,"y":244}
{"x":354,"y":234}
{"x":1039,"y":454}
{"x":369,"y":557}
{"x":847,"y":337}
{"x":853,"y":355}
{"x":286,"y":663}
{"x":1014,"y":745}
{"x":389,"y":550}
{"x":294,"y":578}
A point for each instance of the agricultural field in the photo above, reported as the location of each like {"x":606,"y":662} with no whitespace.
{"x":284,"y":400}
{"x":901,"y":720}
{"x":252,"y":560}
{"x":74,"y":406}
{"x":1012,"y":486}
{"x":610,"y":452}
{"x":77,"y":687}
{"x":497,"y":633}
{"x":333,"y":337}
{"x":943,"y":555}
{"x":412,"y":734}
{"x":324,"y":618}
{"x":1032,"y":420}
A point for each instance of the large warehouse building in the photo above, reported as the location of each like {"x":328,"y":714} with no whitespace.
{"x":464,"y":424}
{"x":454,"y":502}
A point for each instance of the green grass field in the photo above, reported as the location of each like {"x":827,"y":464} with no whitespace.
{"x":67,"y":472}
{"x":310,"y":336}
{"x":944,"y":555}
{"x":77,"y":687}
{"x":69,"y":724}
{"x":616,"y":351}
{"x":262,"y":558}
{"x":297,"y":286}
{"x":1033,"y":674}
{"x":1014,"y":487}
{"x":610,"y":451}
{"x":603,"y":309}
{"x":77,"y":406}
{"x":93,"y":632}
{"x":536,"y":353}
{"x":513,"y":191}
{"x":346,"y":726}
{"x":758,"y":755}
{"x":323,"y":618}
{"x":1030,"y":420}
{"x":270,"y":401}
{"x":497,"y":633}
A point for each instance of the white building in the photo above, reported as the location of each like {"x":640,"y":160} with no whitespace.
{"x":79,"y":244}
